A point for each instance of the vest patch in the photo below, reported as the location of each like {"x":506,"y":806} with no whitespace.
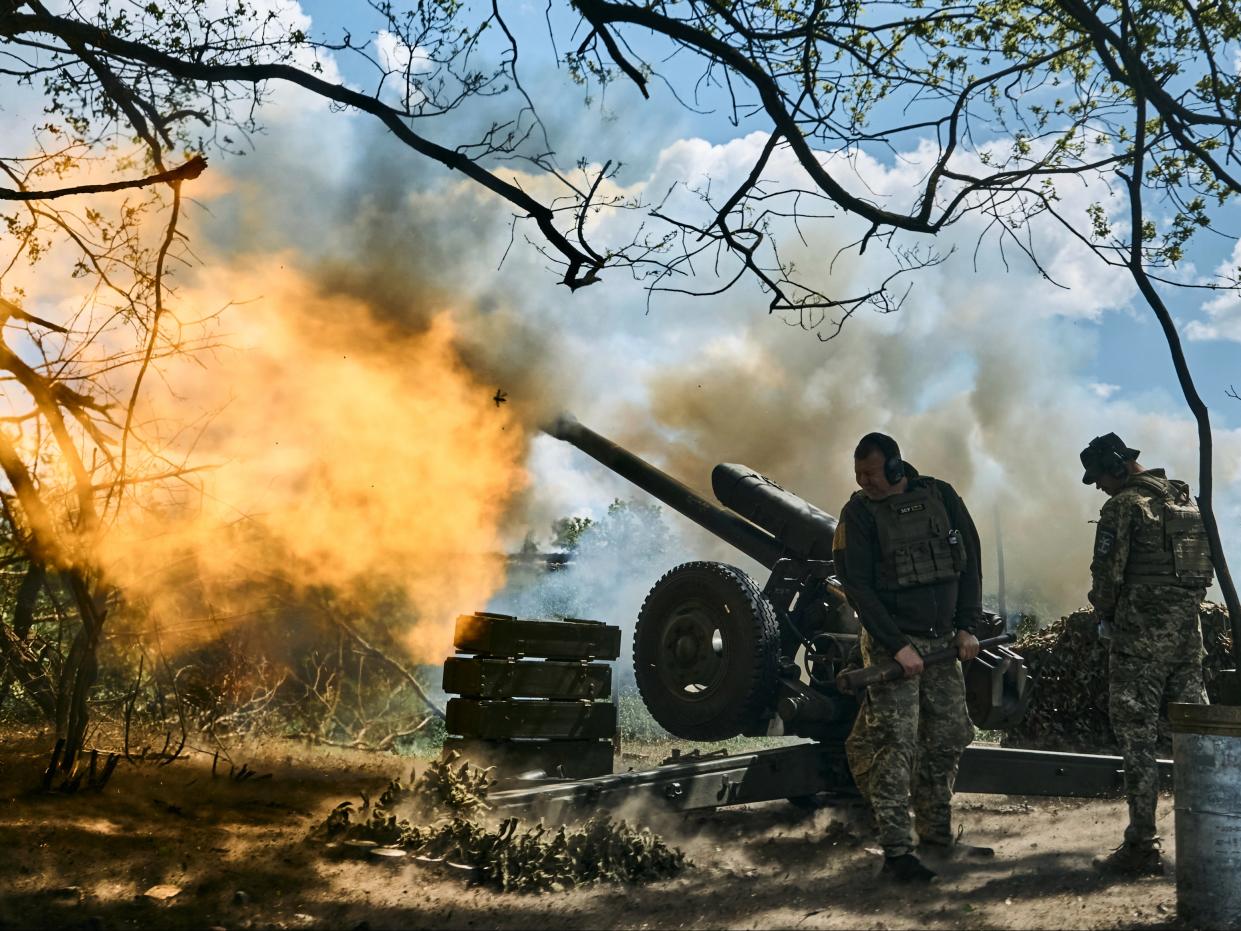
{"x":910,"y":508}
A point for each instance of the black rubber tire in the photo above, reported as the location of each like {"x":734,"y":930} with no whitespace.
{"x":678,"y":624}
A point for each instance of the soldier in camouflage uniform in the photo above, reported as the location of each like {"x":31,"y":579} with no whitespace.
{"x":907,"y":555}
{"x":1150,"y":572}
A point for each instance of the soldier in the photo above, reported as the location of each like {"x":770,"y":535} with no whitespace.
{"x":908,"y":556}
{"x":1150,"y":572}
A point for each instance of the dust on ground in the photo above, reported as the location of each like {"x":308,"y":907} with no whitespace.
{"x":238,"y":854}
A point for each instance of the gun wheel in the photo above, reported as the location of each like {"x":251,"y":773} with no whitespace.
{"x":706,"y":652}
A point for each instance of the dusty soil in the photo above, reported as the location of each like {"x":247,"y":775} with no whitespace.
{"x":238,"y":854}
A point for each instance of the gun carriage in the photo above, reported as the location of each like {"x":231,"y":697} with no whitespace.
{"x":717,"y":655}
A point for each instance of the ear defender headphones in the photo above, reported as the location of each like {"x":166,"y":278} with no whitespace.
{"x":1114,"y":463}
{"x":893,"y":469}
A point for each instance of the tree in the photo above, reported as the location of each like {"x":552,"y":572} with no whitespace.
{"x":71,"y":452}
{"x":70,"y":449}
{"x":608,"y":555}
{"x":567,"y":532}
{"x":1010,"y":101}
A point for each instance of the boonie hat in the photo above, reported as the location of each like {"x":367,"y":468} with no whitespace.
{"x":1103,"y":454}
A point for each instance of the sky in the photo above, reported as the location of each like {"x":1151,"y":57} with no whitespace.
{"x":990,"y":377}
{"x":1131,"y":352}
{"x":1103,"y":354}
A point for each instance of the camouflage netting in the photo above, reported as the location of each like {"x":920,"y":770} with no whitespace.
{"x":1069,"y":664}
{"x":452,"y":803}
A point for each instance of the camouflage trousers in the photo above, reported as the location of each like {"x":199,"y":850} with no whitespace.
{"x":906,"y":744}
{"x":1142,"y":675}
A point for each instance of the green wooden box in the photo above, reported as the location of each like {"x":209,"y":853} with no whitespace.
{"x":481,"y":677}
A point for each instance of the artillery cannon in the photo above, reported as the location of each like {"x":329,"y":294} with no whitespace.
{"x":715,"y":654}
{"x":714,"y":657}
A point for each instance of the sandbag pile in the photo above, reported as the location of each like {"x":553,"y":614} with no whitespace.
{"x":451,"y":803}
{"x":1068,"y":710}
{"x":1068,"y":661}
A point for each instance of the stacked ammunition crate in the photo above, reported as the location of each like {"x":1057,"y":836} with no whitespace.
{"x":553,"y":714}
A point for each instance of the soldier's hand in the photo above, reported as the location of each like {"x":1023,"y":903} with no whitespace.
{"x":967,"y":645}
{"x":910,"y":660}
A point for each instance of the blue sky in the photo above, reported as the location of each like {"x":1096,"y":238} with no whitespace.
{"x":1130,"y":352}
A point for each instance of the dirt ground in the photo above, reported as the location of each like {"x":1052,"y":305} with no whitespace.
{"x":238,"y":854}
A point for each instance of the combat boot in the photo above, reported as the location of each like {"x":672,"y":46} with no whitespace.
{"x":1132,"y":860}
{"x":907,"y":868}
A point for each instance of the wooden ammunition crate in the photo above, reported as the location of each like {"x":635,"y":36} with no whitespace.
{"x":479,"y":677}
{"x":502,"y":635}
{"x":472,"y":717}
{"x":565,"y":759}
{"x":551,"y":716}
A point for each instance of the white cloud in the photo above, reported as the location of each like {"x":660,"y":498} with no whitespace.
{"x":1223,"y":311}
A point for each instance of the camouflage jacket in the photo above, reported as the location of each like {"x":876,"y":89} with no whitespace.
{"x":1130,"y":522}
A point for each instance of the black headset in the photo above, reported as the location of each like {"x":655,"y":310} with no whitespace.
{"x":1114,"y":462}
{"x":894,"y":469}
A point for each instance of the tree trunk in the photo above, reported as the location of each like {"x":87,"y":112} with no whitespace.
{"x":24,"y":666}
{"x":81,"y":666}
{"x":1202,"y":417}
{"x":1205,"y":451}
{"x":27,"y":597}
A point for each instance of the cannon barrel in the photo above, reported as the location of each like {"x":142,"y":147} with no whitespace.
{"x":736,"y":531}
{"x":803,"y":530}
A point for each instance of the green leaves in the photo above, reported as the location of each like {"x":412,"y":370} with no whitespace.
{"x":1100,"y":225}
{"x":504,"y":855}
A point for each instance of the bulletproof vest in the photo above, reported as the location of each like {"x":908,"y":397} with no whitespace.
{"x":917,"y":542}
{"x":1174,"y":550}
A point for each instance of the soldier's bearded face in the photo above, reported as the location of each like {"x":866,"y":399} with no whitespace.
{"x":869,"y":475}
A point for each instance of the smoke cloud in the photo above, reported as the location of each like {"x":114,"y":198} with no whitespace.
{"x":342,"y":452}
{"x":983,"y":376}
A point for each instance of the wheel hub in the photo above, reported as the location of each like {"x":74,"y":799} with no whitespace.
{"x":686,"y":650}
{"x":693,"y":652}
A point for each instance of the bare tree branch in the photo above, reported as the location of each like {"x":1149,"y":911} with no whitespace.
{"x":186,"y":172}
